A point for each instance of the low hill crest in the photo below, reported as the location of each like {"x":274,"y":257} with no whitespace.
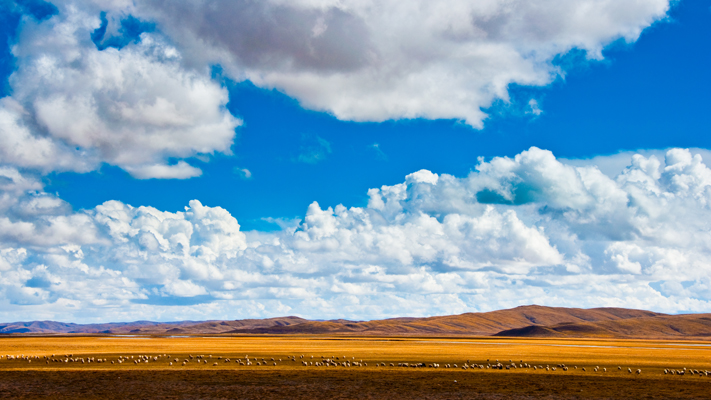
{"x":521,"y":321}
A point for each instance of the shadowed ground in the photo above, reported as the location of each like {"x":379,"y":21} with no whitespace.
{"x":338,"y":384}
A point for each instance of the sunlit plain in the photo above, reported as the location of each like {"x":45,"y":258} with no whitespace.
{"x":650,"y":356}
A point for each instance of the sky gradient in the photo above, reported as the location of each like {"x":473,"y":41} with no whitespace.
{"x":347,"y":159}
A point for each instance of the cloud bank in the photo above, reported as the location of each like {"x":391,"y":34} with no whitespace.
{"x":527,"y":229}
{"x":130,"y":83}
{"x":76,"y":103}
{"x":136,"y":84}
{"x":380,"y":60}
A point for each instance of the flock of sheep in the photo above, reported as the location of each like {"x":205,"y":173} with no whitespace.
{"x":324,"y":361}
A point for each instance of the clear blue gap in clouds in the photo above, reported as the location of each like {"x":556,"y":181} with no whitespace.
{"x":653,"y":94}
{"x":130,"y":31}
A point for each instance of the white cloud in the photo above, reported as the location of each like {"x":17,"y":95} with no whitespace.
{"x":152,"y":104}
{"x":612,"y":165}
{"x":74,"y":107}
{"x":181,"y":170}
{"x":533,"y":108}
{"x":527,"y":229}
{"x":243,"y":173}
{"x":184,"y":289}
{"x":624,"y":230}
{"x":379,"y":60}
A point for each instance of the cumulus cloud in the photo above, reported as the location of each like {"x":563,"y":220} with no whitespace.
{"x":373,"y":61}
{"x":516,"y":230}
{"x":128,"y":83}
{"x":76,"y":104}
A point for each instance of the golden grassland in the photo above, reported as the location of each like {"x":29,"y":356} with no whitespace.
{"x":651,"y":356}
{"x":27,"y":377}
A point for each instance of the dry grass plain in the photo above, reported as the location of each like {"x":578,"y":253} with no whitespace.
{"x":27,"y":376}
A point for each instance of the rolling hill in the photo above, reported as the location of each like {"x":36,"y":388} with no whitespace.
{"x":660,"y":326}
{"x":524,"y":321}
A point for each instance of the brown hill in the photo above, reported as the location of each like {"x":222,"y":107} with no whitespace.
{"x":61,"y":327}
{"x":530,"y":331}
{"x":478,"y":324}
{"x":686,"y":326}
{"x":524,"y":321}
{"x":211,"y":327}
{"x":146,"y":327}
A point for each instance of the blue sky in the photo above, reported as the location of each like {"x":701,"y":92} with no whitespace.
{"x":652,"y":94}
{"x":559,"y":144}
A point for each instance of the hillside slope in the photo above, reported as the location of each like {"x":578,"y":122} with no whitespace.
{"x":524,"y":321}
{"x":487,"y":323}
{"x":479,"y":324}
{"x":146,"y":327}
{"x":660,"y":326}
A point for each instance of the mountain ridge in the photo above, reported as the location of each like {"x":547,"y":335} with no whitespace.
{"x":522,"y":321}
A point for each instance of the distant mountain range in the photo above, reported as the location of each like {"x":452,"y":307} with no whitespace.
{"x":524,"y":321}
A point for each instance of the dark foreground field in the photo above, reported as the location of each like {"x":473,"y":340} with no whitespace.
{"x":338,"y":384}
